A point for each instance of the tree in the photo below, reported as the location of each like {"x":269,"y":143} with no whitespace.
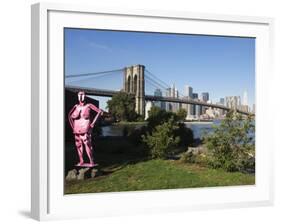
{"x":157,"y":116}
{"x":122,"y":107}
{"x":162,"y":140}
{"x":232,"y":143}
{"x":181,"y":114}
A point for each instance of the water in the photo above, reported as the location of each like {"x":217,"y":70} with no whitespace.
{"x":198,"y":128}
{"x":118,"y":130}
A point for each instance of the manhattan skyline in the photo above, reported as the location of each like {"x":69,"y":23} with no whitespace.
{"x":221,"y":66}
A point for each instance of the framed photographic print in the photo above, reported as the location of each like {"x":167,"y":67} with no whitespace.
{"x":138,"y":111}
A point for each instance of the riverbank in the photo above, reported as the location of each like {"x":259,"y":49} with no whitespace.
{"x":124,"y":166}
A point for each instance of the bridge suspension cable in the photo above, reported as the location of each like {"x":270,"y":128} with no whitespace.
{"x":156,"y":84}
{"x":159,"y":82}
{"x":155,"y":77}
{"x":92,"y":73}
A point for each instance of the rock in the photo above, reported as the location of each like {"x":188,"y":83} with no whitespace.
{"x":94,"y":173}
{"x":71,"y":175}
{"x":81,"y":174}
{"x":197,"y":150}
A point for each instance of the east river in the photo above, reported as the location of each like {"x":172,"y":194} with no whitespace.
{"x":198,"y":128}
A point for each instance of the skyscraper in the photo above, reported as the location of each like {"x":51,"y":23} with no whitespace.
{"x":172,"y":92}
{"x":222,"y":101}
{"x":196,"y":108}
{"x":233,"y":102}
{"x":195,"y":95}
{"x":159,"y":104}
{"x":205,"y":96}
{"x":188,"y":92}
{"x":245,"y":98}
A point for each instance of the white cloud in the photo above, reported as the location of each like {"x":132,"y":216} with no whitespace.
{"x":100,"y":46}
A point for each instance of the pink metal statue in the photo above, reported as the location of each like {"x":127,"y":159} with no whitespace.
{"x":79,"y":119}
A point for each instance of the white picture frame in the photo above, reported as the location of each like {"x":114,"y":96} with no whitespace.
{"x":48,"y":200}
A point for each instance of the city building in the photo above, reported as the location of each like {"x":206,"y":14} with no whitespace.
{"x":233,"y":102}
{"x":196,"y":108}
{"x":195,"y":95}
{"x":220,"y":111}
{"x":221,"y":101}
{"x":245,"y":98}
{"x":159,"y":104}
{"x":148,"y":106}
{"x":204,"y":97}
{"x":188,"y":91}
{"x":244,"y":108}
{"x":188,"y":94}
{"x":172,"y":92}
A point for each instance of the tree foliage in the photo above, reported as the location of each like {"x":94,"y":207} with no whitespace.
{"x":122,"y":107}
{"x":157,"y":116}
{"x":165,"y":131}
{"x":232,"y":143}
{"x":181,"y":114}
{"x":162,"y":140}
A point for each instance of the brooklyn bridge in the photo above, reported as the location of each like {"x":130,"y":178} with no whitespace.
{"x":138,"y":82}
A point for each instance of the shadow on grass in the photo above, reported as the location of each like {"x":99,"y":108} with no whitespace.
{"x":111,"y":154}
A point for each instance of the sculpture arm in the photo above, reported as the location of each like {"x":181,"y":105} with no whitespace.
{"x":99,"y":112}
{"x":69,"y":116}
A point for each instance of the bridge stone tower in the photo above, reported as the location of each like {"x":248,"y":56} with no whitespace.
{"x":134,"y":83}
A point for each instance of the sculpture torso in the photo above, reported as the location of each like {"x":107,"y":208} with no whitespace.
{"x":81,"y":117}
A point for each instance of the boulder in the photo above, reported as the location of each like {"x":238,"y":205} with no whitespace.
{"x":94,"y":173}
{"x":71,"y":175}
{"x":81,"y":175}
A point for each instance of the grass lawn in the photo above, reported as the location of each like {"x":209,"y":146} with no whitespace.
{"x":157,"y":174}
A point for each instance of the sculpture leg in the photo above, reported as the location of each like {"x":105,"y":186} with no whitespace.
{"x":88,"y":146}
{"x":79,"y":147}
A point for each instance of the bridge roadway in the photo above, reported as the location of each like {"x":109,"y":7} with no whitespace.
{"x":110,"y":93}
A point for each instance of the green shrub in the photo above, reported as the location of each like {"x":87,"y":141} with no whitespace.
{"x":231,"y":144}
{"x":162,"y":141}
{"x":185,"y":135}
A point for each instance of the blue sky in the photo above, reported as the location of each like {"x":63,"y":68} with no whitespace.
{"x":222,"y":66}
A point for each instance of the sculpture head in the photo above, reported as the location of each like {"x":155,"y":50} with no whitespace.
{"x":81,"y":97}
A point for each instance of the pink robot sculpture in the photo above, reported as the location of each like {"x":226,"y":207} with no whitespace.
{"x":79,"y":119}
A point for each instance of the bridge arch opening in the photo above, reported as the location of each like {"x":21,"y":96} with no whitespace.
{"x":129,"y":83}
{"x":135,"y":86}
